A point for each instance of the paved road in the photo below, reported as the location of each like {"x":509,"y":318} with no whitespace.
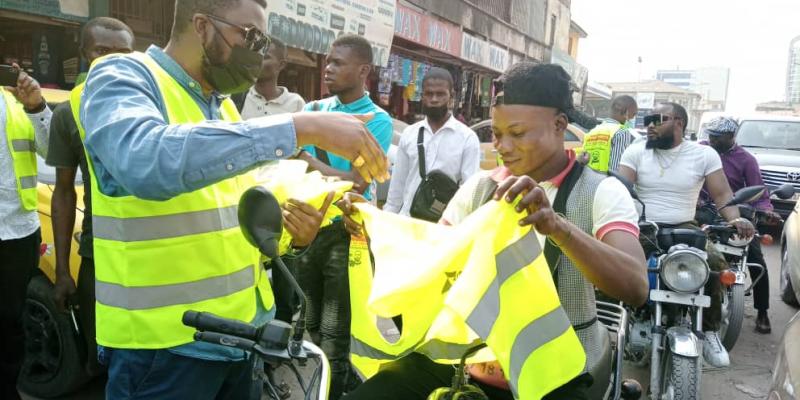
{"x":752,"y":359}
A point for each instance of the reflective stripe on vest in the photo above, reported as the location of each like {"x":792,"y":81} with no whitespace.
{"x":598,"y":144}
{"x":493,"y":286}
{"x":20,"y":137}
{"x":157,"y":259}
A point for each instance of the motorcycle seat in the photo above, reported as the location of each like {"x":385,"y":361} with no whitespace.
{"x":668,"y":237}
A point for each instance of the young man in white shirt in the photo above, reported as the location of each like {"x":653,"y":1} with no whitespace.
{"x":266,"y":97}
{"x":450,"y":146}
{"x":21,"y":107}
{"x":669,"y":173}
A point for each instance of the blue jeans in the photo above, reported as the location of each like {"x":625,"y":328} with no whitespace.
{"x":160,"y":374}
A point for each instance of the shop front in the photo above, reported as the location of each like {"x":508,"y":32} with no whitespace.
{"x":42,"y":37}
{"x":420,"y":42}
{"x":486,"y":62}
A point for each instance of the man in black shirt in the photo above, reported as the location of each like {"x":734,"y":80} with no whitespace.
{"x":99,"y":37}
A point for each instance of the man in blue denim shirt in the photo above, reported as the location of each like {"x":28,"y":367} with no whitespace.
{"x":322,"y":271}
{"x":136,"y":152}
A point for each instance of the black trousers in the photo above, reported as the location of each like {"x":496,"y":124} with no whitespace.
{"x":322,"y":273}
{"x":19,"y":259}
{"x":415,"y":376}
{"x":761,"y":289}
{"x":86,"y":313}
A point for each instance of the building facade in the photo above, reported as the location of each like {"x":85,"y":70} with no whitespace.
{"x":648,"y":94}
{"x":711,"y":83}
{"x":793,"y":72}
{"x":475,"y":39}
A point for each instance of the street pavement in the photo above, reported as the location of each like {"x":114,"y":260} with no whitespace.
{"x":752,"y":360}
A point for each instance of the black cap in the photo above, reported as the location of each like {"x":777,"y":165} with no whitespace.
{"x":528,"y":83}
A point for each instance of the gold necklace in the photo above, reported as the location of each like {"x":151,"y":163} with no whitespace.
{"x":659,"y":159}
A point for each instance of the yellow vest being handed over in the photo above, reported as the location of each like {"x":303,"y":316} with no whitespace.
{"x":154,"y":260}
{"x":22,"y":146}
{"x":487,"y":282}
{"x":598,"y":144}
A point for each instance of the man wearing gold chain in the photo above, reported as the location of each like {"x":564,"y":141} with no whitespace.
{"x":669,"y":173}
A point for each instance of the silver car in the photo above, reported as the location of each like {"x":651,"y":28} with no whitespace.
{"x":786,"y":374}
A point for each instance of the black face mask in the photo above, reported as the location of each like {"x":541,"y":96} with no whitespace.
{"x":661,"y":143}
{"x":235,"y":76}
{"x":435,"y":113}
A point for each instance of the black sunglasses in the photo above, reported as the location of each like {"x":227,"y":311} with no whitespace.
{"x":657,"y":119}
{"x":254,"y":39}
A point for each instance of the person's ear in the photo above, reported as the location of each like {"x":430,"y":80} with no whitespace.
{"x":200,"y":23}
{"x":561,"y":122}
{"x":365,"y":70}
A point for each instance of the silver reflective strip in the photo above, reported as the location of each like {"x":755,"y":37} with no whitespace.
{"x":23,"y":145}
{"x":362,"y":349}
{"x":544,"y":329}
{"x":27,"y":182}
{"x":508,"y":262}
{"x":164,"y":226}
{"x":440,"y":350}
{"x":147,"y":297}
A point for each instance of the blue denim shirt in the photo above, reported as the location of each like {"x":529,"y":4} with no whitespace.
{"x":380,"y":126}
{"x":135,"y":151}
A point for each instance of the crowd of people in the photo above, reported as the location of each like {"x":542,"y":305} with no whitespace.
{"x":167,"y":140}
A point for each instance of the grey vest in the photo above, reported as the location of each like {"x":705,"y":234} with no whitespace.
{"x":574,"y":290}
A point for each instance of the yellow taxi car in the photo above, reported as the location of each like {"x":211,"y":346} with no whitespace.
{"x":55,"y":353}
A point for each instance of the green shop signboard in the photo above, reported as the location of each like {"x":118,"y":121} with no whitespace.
{"x":71,"y":10}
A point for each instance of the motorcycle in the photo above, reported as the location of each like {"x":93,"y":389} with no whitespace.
{"x":735,"y":250}
{"x":667,"y":331}
{"x":280,"y":345}
{"x":276,"y":345}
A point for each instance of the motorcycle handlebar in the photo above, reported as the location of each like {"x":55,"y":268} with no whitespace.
{"x":211,"y":323}
{"x":225,"y":340}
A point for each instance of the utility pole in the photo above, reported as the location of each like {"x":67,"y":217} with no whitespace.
{"x":640,"y":69}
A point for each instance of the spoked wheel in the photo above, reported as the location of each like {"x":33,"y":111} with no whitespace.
{"x":732,"y":316}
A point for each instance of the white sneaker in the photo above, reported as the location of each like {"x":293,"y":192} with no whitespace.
{"x":714,"y":352}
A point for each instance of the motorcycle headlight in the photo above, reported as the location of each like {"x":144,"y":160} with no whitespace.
{"x":684,"y":271}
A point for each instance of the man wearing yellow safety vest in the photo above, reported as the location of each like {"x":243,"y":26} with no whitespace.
{"x":24,"y":122}
{"x":605,"y":143}
{"x":168,"y":156}
{"x":586,"y":222}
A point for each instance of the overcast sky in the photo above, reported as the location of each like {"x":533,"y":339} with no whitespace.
{"x":750,"y":37}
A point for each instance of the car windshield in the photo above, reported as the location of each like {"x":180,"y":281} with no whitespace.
{"x":769,"y":134}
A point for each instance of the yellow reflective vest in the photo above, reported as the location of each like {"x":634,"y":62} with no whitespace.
{"x":22,"y":146}
{"x":485,"y":280}
{"x":598,"y":144}
{"x":154,"y":260}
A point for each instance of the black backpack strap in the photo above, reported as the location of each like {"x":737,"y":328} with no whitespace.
{"x":239,"y":99}
{"x":421,"y":152}
{"x":551,"y":252}
{"x":322,"y":155}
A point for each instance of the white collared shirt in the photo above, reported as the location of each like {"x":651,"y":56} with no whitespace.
{"x":255,"y":105}
{"x":18,"y":222}
{"x":454,"y":149}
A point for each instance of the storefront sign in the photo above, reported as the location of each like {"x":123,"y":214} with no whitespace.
{"x":499,"y":59}
{"x":577,"y":72}
{"x":483,"y":53}
{"x":646,"y":101}
{"x":427,"y":31}
{"x":72,"y":10}
{"x":313,"y":25}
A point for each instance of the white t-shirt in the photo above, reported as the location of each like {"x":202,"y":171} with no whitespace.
{"x":613,"y":207}
{"x":255,"y":105}
{"x":669,"y":181}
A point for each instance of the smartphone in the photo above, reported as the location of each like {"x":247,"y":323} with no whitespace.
{"x":8,"y":75}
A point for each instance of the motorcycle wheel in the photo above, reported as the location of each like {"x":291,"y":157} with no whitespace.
{"x":733,"y":306}
{"x":787,"y":291}
{"x":681,"y":379}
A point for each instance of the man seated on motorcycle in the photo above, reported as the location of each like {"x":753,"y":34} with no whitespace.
{"x":742,"y":170}
{"x":669,"y":173}
{"x":596,"y":237}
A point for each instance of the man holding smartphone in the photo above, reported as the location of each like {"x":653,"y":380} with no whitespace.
{"x":24,"y":122}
